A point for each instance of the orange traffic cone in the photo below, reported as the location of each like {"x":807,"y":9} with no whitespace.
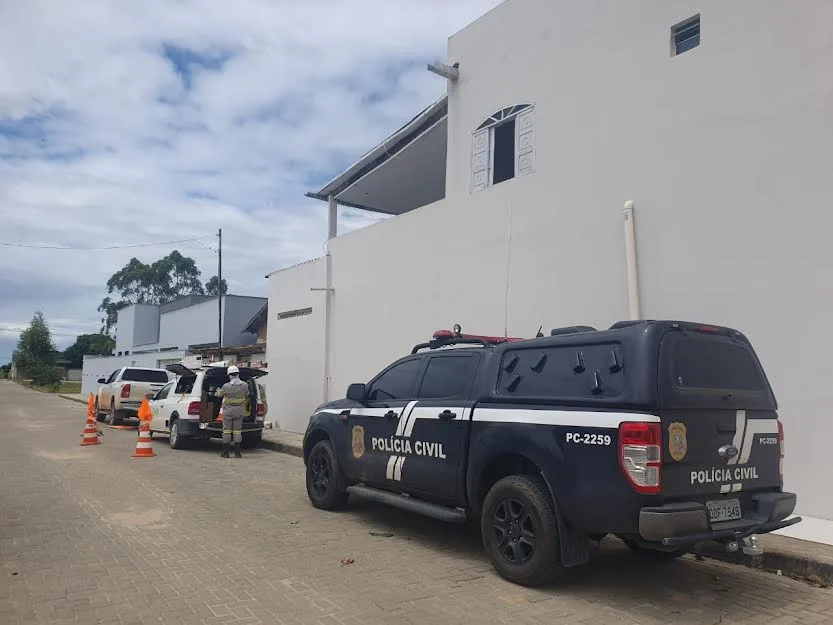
{"x":90,"y":430}
{"x":144,"y":446}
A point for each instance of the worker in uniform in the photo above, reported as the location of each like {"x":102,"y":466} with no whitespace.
{"x":235,"y":393}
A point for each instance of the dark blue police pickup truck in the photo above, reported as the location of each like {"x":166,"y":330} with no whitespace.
{"x":662,"y":433}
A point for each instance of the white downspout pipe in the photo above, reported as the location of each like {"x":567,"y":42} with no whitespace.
{"x":332,"y":231}
{"x":630,"y":256}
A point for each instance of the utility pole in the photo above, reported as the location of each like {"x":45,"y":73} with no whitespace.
{"x":220,"y":291}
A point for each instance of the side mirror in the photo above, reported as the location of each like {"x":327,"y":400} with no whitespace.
{"x":150,"y":395}
{"x":356,"y":392}
{"x":102,"y":381}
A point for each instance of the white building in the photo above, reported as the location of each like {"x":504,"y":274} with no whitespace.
{"x":150,"y":335}
{"x":711,"y":117}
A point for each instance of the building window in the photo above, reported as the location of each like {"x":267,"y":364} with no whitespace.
{"x":503,"y":147}
{"x":685,"y":35}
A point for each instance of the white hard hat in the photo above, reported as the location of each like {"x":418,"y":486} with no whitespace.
{"x":232,"y":370}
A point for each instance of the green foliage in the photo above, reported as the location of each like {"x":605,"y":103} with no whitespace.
{"x":45,"y":375}
{"x":211,"y":286}
{"x":89,"y":344}
{"x":5,"y":371}
{"x":166,"y":279}
{"x":35,"y":353}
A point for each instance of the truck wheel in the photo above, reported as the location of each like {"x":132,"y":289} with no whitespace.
{"x":325,"y":483}
{"x":251,"y":440}
{"x":98,"y":416}
{"x":656,"y":555}
{"x":520,"y":531}
{"x":114,"y":417}
{"x":175,"y":438}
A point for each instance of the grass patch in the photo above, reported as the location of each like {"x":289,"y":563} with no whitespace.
{"x":66,"y":387}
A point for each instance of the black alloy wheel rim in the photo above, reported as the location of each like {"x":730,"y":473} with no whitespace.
{"x":514,"y":531}
{"x":320,"y":482}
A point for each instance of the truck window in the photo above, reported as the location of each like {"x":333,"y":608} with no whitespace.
{"x":447,"y":377}
{"x":578,"y":372}
{"x":112,"y":377}
{"x":396,"y":383}
{"x":145,"y":375}
{"x":715,"y":365}
{"x":711,"y":372}
{"x":184,"y":385}
{"x":163,"y":392}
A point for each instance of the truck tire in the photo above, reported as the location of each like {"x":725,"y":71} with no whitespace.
{"x":175,"y":438}
{"x":520,"y":531}
{"x":251,"y":440}
{"x":325,"y":483}
{"x":114,"y":417}
{"x":98,"y":416}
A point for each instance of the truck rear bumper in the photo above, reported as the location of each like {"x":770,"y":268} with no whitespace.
{"x":686,"y":523}
{"x":216,"y":427}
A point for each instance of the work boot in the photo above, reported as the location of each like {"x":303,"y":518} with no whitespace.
{"x":226,"y":447}
{"x":237,"y":453}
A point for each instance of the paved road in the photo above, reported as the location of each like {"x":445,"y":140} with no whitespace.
{"x":91,"y":535}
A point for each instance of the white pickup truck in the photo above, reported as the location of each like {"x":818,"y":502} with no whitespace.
{"x":122,"y":393}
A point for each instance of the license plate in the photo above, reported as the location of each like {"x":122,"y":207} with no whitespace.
{"x":723,"y":510}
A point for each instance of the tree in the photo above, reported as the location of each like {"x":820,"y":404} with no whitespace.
{"x":163,"y":280}
{"x":211,"y":286}
{"x":111,"y":313}
{"x":5,"y":371}
{"x":35,"y":353}
{"x":90,"y":345}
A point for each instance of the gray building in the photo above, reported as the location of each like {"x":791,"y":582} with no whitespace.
{"x":150,"y":335}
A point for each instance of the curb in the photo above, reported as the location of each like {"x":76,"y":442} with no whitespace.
{"x":773,"y":560}
{"x":75,"y":399}
{"x":283,"y":448}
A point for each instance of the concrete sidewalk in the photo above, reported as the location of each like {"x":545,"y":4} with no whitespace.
{"x":800,"y":559}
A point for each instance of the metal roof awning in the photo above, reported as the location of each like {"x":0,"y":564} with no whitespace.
{"x":404,"y":172}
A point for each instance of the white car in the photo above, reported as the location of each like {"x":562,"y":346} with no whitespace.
{"x":122,"y":393}
{"x":188,"y":409}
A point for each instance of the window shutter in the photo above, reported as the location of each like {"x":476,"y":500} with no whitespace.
{"x":525,"y":148}
{"x":480,"y":160}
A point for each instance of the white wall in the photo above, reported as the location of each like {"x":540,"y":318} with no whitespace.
{"x":295,"y":346}
{"x":724,"y":149}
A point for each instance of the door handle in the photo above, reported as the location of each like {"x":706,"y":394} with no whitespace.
{"x":447,"y":415}
{"x":390,"y":414}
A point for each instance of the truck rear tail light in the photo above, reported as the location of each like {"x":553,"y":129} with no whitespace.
{"x":781,"y":453}
{"x":194,"y":408}
{"x":125,"y":391}
{"x":640,"y":455}
{"x":261,"y":409}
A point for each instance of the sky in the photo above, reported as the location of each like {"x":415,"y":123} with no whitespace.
{"x":126,"y":123}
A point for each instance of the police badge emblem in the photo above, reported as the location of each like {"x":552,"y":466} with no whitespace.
{"x":358,"y":441}
{"x":677,"y":444}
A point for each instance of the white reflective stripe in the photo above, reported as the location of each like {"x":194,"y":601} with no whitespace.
{"x":404,"y":419}
{"x":370,"y":412}
{"x":397,"y":468}
{"x":141,"y":445}
{"x":736,"y":487}
{"x":575,"y":418}
{"x":753,"y":428}
{"x":724,"y":488}
{"x":740,"y":428}
{"x":391,"y":461}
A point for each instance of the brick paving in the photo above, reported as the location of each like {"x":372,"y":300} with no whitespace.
{"x":91,"y":535}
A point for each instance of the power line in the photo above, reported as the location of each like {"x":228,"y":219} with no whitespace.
{"x":19,"y":331}
{"x":112,"y":247}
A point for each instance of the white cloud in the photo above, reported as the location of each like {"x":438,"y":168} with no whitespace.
{"x":103,"y":143}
